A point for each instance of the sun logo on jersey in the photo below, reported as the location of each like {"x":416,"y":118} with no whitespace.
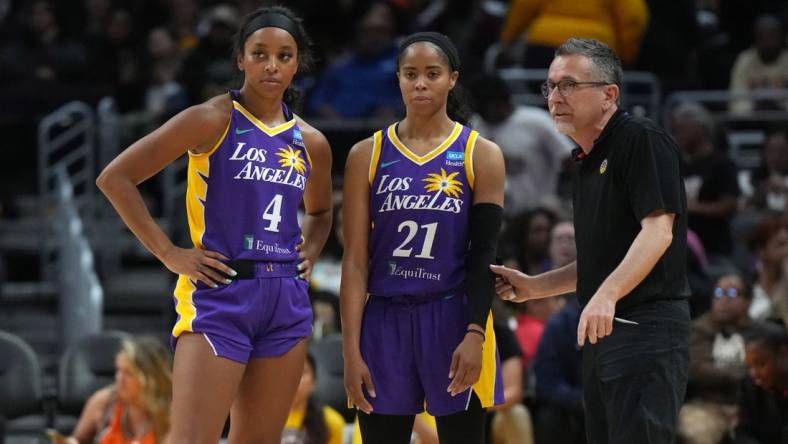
{"x":443,"y":182}
{"x":291,"y":158}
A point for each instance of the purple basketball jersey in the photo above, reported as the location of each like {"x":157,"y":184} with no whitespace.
{"x":419,"y":211}
{"x":243,"y":196}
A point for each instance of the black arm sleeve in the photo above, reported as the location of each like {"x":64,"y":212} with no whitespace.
{"x":486,"y":219}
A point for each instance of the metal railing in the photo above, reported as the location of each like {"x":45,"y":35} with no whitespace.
{"x":81,"y":297}
{"x":745,"y":131}
{"x":66,"y":139}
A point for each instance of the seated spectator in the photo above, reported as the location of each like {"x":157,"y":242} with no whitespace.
{"x":164,"y":96}
{"x":700,"y":282}
{"x":509,"y":422}
{"x":41,"y":53}
{"x":533,"y":150}
{"x":763,"y":403}
{"x":717,"y":365}
{"x":207,"y":71}
{"x":559,"y":382}
{"x":710,"y":178}
{"x":536,"y":312}
{"x":527,"y":240}
{"x":764,"y":66}
{"x":309,"y":421}
{"x":546,"y":24}
{"x":360,"y":85}
{"x":768,"y":242}
{"x":135,"y":409}
{"x":770,"y":179}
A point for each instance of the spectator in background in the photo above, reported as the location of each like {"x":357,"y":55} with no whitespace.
{"x":118,"y":54}
{"x":768,"y":242}
{"x":763,"y":66}
{"x":557,"y":364}
{"x":164,"y":96}
{"x":547,"y":24}
{"x":770,"y":179}
{"x":135,"y":409}
{"x":763,"y":404}
{"x":527,"y":240}
{"x":309,"y":421}
{"x":669,"y":46}
{"x":360,"y":85}
{"x":717,"y":365}
{"x":184,"y":16}
{"x":511,"y":421}
{"x":41,"y":53}
{"x":533,"y":149}
{"x":207,"y":71}
{"x":531,"y":322}
{"x":559,"y":380}
{"x":698,"y":277}
{"x":710,"y":179}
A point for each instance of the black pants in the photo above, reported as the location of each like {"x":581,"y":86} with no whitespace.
{"x":558,"y":425}
{"x":634,"y":381}
{"x":465,"y":427}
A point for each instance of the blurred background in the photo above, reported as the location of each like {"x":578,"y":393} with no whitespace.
{"x":80,"y":80}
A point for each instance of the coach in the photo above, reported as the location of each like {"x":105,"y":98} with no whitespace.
{"x":631,"y":233}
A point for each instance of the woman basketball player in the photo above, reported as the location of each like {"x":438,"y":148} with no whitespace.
{"x":241,"y":298}
{"x":422,"y":210}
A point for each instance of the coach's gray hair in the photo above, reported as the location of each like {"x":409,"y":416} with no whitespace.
{"x":605,"y":61}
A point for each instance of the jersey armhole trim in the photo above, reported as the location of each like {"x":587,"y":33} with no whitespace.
{"x":373,"y":162}
{"x":470,"y":145}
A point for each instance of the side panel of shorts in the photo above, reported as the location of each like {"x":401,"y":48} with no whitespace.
{"x":246,"y":318}
{"x":408,"y":349}
{"x":441,"y":326}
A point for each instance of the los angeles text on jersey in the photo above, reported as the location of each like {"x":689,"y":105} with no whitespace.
{"x":252,"y":169}
{"x":393,"y":202}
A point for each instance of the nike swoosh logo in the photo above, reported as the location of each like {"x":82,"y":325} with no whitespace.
{"x":239,"y":131}
{"x":388,"y":164}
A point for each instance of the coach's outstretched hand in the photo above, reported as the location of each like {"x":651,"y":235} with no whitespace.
{"x":510,"y":284}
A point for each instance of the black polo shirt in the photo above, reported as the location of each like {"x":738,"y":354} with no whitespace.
{"x":632,"y":170}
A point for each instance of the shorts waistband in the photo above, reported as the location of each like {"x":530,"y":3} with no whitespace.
{"x":253,"y":270}
{"x":411,"y":299}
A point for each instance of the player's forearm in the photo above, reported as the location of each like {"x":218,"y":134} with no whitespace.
{"x":649,"y":246}
{"x":315,"y":228}
{"x":352,"y":296}
{"x":128,"y":202}
{"x":552,"y":283}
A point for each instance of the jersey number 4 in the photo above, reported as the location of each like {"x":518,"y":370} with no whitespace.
{"x":413,"y":228}
{"x":273,"y":214}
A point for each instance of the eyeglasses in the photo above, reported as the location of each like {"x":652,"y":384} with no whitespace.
{"x":731,"y":292}
{"x":566,"y":87}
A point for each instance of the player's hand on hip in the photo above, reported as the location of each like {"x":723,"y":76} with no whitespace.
{"x":199,"y":265}
{"x":304,"y":264}
{"x":510,"y":284}
{"x":357,"y":375}
{"x":466,"y":364}
{"x":596,"y":320}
